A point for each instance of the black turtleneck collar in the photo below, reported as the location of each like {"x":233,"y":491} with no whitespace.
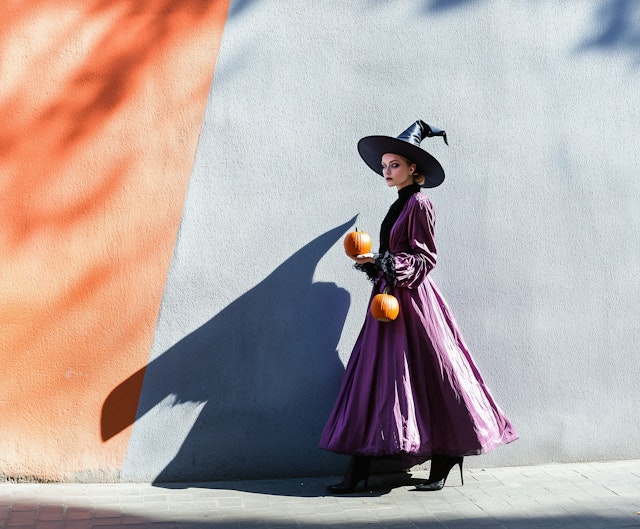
{"x":407,"y":191}
{"x":404,"y":195}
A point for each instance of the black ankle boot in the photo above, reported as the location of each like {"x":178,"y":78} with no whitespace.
{"x":440,"y":468}
{"x":357,"y":470}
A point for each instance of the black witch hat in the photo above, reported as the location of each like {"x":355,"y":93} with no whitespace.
{"x":371,"y":149}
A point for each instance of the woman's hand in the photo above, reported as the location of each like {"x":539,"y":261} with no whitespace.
{"x":363,"y":258}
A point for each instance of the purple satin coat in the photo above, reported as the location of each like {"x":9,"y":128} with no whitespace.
{"x":411,"y":388}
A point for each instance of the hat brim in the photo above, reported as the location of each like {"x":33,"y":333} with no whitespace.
{"x":371,"y":149}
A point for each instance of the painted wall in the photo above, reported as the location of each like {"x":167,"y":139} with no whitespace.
{"x":101,"y":105}
{"x":538,"y":230}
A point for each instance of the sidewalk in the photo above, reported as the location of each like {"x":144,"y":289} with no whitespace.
{"x":589,"y":495}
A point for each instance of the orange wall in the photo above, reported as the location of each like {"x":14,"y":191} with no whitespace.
{"x":101,"y":105}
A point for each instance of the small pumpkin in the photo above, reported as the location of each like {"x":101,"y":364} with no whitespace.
{"x":357,"y":243}
{"x":384,"y":307}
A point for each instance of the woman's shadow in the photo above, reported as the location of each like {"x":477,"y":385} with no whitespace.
{"x":266,"y":372}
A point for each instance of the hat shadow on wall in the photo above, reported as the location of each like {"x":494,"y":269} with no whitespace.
{"x":265,"y":368}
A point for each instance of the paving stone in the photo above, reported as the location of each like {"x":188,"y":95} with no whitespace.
{"x":572,"y":496}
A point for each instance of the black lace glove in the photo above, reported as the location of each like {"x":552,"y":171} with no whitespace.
{"x":383,"y":264}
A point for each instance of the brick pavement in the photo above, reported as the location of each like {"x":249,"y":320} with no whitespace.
{"x":586,"y":495}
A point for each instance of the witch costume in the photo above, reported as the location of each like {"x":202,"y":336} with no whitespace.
{"x":411,"y":388}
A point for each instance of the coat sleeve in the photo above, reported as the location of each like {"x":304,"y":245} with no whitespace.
{"x":411,"y":267}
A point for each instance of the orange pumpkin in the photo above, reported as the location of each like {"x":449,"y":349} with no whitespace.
{"x":357,"y":243}
{"x":384,"y":307}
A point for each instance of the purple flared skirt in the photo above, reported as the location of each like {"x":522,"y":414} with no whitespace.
{"x":412,"y":389}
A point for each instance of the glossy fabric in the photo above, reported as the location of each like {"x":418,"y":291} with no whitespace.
{"x":411,"y":388}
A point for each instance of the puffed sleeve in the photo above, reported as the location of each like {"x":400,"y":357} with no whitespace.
{"x":411,"y":267}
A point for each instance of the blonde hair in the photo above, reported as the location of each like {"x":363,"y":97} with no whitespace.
{"x":418,"y":178}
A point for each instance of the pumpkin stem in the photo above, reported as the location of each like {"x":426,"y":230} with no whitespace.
{"x":386,"y":290}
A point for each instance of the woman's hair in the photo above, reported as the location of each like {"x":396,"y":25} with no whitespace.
{"x":418,"y":178}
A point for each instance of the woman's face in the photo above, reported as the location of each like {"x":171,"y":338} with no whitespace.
{"x":397,"y":170}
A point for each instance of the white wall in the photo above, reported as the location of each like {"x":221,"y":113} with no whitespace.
{"x":538,"y":226}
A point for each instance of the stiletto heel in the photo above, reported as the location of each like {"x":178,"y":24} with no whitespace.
{"x":440,"y":468}
{"x":357,"y":471}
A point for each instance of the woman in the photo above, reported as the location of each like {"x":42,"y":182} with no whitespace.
{"x":411,"y":388}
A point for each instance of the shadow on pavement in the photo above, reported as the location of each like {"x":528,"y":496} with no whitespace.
{"x":38,"y":515}
{"x":379,"y":485}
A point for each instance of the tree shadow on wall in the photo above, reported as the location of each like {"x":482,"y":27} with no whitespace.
{"x":616,"y":24}
{"x":266,"y":369}
{"x":442,"y":5}
{"x":618,"y":28}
